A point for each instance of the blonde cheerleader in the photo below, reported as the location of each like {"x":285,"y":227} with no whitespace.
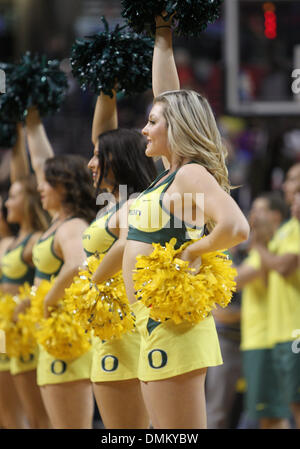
{"x":181,"y":128}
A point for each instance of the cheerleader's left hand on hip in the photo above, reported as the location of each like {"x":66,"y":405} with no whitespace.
{"x":48,"y":307}
{"x":194,"y":262}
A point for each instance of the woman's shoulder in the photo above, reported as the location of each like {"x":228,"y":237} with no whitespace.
{"x":34,"y":237}
{"x":191,"y":167}
{"x":5,"y":243}
{"x":72,"y":226}
{"x":192,"y":173}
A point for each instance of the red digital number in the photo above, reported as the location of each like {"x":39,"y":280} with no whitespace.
{"x":270,"y":20}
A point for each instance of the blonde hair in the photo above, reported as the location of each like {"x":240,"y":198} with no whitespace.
{"x":193,"y":133}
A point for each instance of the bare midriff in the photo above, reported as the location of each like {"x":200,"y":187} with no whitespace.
{"x":7,"y":287}
{"x":37,"y":281}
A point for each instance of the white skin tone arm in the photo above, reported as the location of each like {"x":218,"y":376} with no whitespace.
{"x":112,"y":262}
{"x":69,"y":242}
{"x":19,"y":167}
{"x":163,"y":62}
{"x":231,"y":226}
{"x":19,"y":164}
{"x":40,"y":148}
{"x":105,"y":116}
{"x":164,"y":71}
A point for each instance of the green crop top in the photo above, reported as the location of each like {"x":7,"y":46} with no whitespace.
{"x":13,"y":266}
{"x":98,"y":237}
{"x":150,"y":222}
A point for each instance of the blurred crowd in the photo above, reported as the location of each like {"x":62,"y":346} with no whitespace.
{"x":258,"y":331}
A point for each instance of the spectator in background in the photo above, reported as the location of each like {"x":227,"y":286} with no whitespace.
{"x":233,"y":129}
{"x":184,"y":67}
{"x":221,"y":381}
{"x":281,"y":259}
{"x":264,"y":402}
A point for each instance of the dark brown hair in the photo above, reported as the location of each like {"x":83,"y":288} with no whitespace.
{"x":70,"y":172}
{"x":123,"y":151}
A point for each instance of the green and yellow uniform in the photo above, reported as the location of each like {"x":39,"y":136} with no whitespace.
{"x":261,"y":381}
{"x":284,"y":311}
{"x":116,"y":359}
{"x":47,"y":263}
{"x":49,"y":369}
{"x":284,"y":292}
{"x":15,"y":270}
{"x":13,"y":266}
{"x":167,"y":349}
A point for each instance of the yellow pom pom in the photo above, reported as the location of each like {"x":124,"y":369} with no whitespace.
{"x":37,"y":296}
{"x":103,"y":308}
{"x":62,"y":336}
{"x":7,"y":306}
{"x":59,"y":334}
{"x":24,"y":291}
{"x":28,"y":322}
{"x":167,"y":285}
{"x":20,"y":338}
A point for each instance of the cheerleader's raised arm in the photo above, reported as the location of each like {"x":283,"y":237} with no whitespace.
{"x":164,"y":71}
{"x":39,"y":146}
{"x":19,"y":164}
{"x":105,"y":116}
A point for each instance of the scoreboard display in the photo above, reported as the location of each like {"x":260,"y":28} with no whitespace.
{"x":262,"y":57}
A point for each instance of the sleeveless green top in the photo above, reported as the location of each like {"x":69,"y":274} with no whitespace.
{"x":150,"y":222}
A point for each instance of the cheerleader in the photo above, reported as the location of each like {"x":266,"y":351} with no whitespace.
{"x":65,"y":190}
{"x":118,"y":159}
{"x":24,"y":209}
{"x":13,"y":417}
{"x":181,"y":128}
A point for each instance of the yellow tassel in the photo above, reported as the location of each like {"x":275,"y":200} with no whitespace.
{"x":101,"y":308}
{"x":20,"y":338}
{"x":167,"y":285}
{"x":60,"y":334}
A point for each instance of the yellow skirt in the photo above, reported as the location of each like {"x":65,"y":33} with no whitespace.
{"x":22,"y":364}
{"x":4,"y":362}
{"x":116,"y":359}
{"x":168,"y":349}
{"x":55,"y":371}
